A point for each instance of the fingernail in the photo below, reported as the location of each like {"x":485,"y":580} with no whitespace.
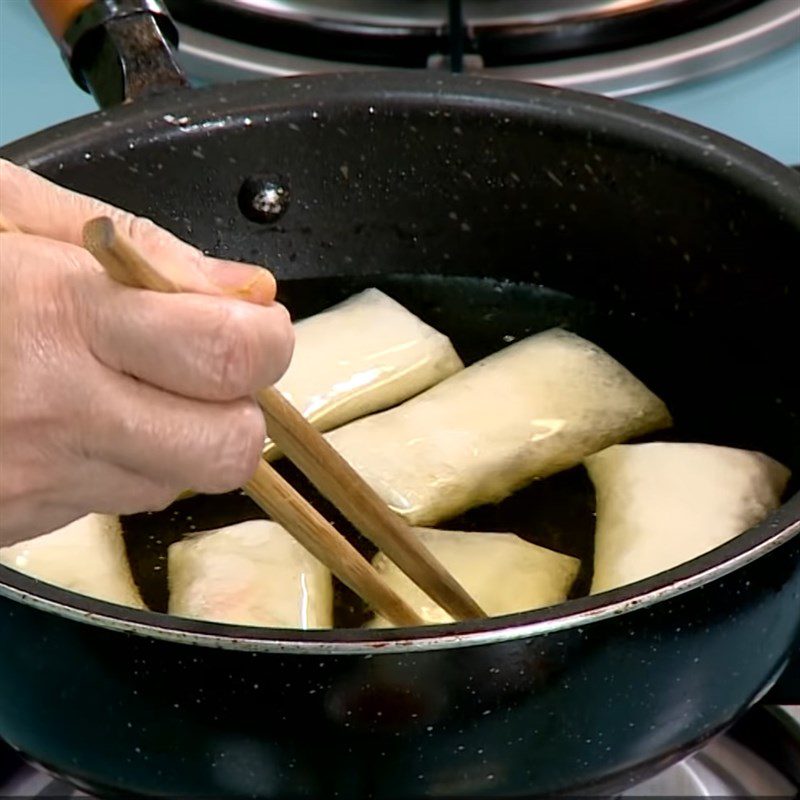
{"x":259,"y":289}
{"x":245,"y":282}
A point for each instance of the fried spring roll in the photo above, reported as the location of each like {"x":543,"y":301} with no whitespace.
{"x":537,"y":407}
{"x":662,"y":504}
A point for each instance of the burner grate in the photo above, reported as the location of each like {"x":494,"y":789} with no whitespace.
{"x":398,"y":33}
{"x":457,"y":35}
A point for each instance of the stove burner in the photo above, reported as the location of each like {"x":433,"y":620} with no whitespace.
{"x":614,"y":47}
{"x":402,"y":34}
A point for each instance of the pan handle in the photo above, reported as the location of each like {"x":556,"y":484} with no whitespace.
{"x":118,"y":50}
{"x":58,"y":15}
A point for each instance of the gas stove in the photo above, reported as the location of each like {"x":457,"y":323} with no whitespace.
{"x":615,"y":47}
{"x":733,"y":66}
{"x":759,"y":757}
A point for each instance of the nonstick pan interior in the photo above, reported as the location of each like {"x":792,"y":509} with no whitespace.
{"x":557,"y":512}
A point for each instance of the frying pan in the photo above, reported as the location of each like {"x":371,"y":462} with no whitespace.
{"x":672,"y":247}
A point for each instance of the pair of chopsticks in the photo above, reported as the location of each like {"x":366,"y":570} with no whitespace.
{"x":324,"y":467}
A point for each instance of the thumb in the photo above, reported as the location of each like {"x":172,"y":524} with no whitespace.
{"x":45,"y":209}
{"x":190,"y":269}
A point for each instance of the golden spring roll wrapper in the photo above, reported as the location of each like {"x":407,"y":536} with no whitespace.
{"x":358,"y":357}
{"x":361,"y":356}
{"x":662,"y":504}
{"x":87,"y":556}
{"x":504,"y":573}
{"x":253,"y":573}
{"x":537,"y":407}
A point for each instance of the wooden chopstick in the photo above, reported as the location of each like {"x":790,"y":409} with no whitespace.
{"x":324,"y":466}
{"x":304,"y":445}
{"x":289,"y":508}
{"x":267,"y":488}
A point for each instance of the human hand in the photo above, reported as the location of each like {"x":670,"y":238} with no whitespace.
{"x":114,"y":399}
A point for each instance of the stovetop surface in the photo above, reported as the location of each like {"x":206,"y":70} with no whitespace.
{"x":758,"y":103}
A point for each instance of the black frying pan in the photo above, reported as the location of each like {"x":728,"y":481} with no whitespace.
{"x":672,"y":247}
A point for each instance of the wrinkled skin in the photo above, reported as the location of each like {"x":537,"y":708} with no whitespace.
{"x":113,"y":399}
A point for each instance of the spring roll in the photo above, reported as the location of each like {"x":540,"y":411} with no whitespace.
{"x":361,"y":356}
{"x":504,"y":573}
{"x":87,"y":556}
{"x":253,"y":573}
{"x":662,"y":504}
{"x":537,"y":407}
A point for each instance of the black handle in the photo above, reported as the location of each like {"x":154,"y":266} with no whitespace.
{"x":120,"y":50}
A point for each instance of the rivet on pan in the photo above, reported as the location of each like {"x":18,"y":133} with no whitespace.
{"x":264,"y":198}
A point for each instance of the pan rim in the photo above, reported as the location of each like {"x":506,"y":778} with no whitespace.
{"x":187,"y":110}
{"x":692,"y":142}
